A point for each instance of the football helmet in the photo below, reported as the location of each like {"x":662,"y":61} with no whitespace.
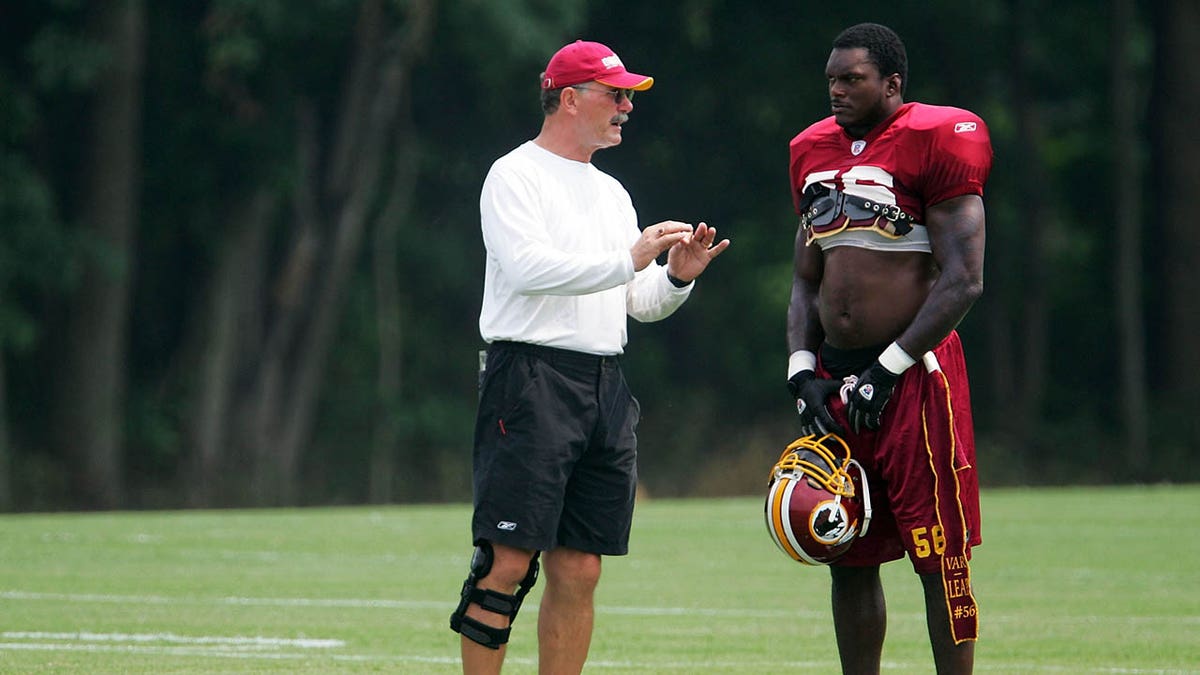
{"x":818,"y":501}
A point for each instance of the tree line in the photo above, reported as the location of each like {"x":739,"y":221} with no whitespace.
{"x":241,"y":265}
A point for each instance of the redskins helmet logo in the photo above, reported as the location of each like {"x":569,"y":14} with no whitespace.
{"x":818,"y":502}
{"x":829,"y":523}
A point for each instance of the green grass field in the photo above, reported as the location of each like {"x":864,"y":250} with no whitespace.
{"x":1087,"y":580}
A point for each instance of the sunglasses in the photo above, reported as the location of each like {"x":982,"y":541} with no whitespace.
{"x":616,"y":94}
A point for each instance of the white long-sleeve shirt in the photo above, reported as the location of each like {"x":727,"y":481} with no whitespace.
{"x":559,"y":272}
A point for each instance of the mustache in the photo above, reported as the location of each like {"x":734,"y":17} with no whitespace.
{"x":621,"y":118}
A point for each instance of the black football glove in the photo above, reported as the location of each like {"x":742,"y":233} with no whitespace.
{"x":869,"y":396}
{"x":811,"y":393}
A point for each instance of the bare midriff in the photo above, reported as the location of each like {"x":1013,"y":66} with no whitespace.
{"x":868,"y":298}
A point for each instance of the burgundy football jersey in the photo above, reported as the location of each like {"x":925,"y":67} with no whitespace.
{"x":922,"y":155}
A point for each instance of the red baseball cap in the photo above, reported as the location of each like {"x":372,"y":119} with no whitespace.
{"x":582,"y":61}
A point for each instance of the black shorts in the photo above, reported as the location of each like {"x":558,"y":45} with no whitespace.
{"x":555,"y":460}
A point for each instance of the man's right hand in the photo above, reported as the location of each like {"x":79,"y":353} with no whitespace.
{"x":811,"y":393}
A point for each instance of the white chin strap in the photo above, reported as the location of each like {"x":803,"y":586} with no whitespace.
{"x":866,"y":498}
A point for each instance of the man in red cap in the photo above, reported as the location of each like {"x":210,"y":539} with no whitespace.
{"x":555,"y":456}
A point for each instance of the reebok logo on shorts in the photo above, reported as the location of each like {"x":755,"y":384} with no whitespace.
{"x":506,"y":525}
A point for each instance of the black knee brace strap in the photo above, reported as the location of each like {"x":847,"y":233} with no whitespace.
{"x":492,"y":601}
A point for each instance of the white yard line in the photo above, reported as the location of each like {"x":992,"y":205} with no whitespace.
{"x":377,"y":603}
{"x":222,"y":652}
{"x":173,"y":638}
{"x":258,"y":602}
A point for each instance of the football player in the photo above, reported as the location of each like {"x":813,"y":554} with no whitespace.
{"x":888,"y":260}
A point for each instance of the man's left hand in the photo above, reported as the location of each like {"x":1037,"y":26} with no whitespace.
{"x":688,"y":258}
{"x":871,"y":393}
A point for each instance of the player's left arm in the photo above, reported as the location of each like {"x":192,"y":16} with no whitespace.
{"x":956,"y":237}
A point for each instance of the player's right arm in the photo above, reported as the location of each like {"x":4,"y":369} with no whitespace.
{"x":804,"y":330}
{"x":804,"y":336}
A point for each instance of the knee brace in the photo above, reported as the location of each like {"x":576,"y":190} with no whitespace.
{"x":492,"y":601}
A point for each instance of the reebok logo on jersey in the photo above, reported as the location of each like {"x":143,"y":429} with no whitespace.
{"x":506,"y":525}
{"x":963,"y":127}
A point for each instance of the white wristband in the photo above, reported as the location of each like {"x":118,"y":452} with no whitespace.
{"x":895,"y":359}
{"x":801,"y":360}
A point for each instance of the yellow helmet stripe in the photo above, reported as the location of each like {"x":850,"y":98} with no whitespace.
{"x":776,"y":519}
